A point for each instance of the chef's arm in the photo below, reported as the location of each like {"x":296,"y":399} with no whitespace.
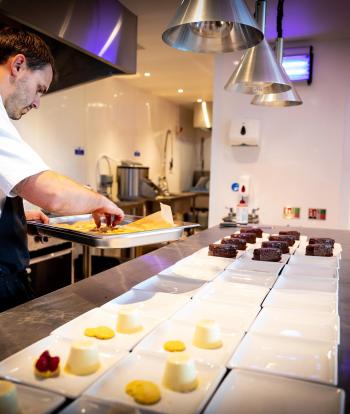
{"x":61,"y":195}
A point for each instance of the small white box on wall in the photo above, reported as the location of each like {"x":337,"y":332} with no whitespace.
{"x":244,"y":132}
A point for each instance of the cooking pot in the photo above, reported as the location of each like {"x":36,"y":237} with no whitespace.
{"x":129,"y":181}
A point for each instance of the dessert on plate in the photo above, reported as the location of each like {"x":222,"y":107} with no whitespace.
{"x":222,"y":250}
{"x":207,"y":335}
{"x":180,"y":373}
{"x":83,"y":358}
{"x":143,"y":392}
{"x":267,"y":254}
{"x":8,"y":398}
{"x":47,"y":366}
{"x":129,"y":321}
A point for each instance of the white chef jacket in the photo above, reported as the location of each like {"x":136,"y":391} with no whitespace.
{"x":17,"y":159}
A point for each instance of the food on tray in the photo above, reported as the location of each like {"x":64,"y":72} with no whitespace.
{"x":287,"y":237}
{"x":174,"y":346}
{"x":129,"y":321}
{"x":8,"y":398}
{"x":83,"y":358}
{"x":294,"y":233}
{"x":101,"y":332}
{"x":143,"y":392}
{"x":207,"y":335}
{"x":322,"y":240}
{"x":267,"y":254}
{"x":282,"y":245}
{"x":180,"y":373}
{"x":47,"y":366}
{"x":248,"y":237}
{"x":222,"y":250}
{"x":319,"y":250}
{"x":239,"y":244}
{"x":256,"y":230}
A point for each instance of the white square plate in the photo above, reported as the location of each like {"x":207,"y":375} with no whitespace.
{"x":256,"y":266}
{"x":182,"y":331}
{"x":234,"y":318}
{"x":298,"y":358}
{"x":74,"y":329}
{"x":86,"y":405}
{"x":306,"y":300}
{"x":19,"y":367}
{"x":233,"y":293}
{"x":205,"y":273}
{"x":247,"y":277}
{"x":172,"y":285}
{"x":151,"y":367}
{"x":337,"y":249}
{"x":157,"y":305}
{"x":248,"y":392}
{"x":34,"y":401}
{"x":297,"y":324}
{"x":329,"y":262}
{"x":309,"y":271}
{"x":318,"y":284}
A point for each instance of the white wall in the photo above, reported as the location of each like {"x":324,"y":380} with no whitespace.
{"x":110,"y":117}
{"x":304,"y":156}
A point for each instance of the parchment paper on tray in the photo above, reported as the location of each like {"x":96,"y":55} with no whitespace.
{"x":162,"y":219}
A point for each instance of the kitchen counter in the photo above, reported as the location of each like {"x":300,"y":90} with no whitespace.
{"x":25,"y":324}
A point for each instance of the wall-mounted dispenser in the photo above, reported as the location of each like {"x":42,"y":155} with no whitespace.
{"x":244,"y":132}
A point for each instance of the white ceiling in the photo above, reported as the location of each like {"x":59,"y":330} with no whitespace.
{"x":171,"y":69}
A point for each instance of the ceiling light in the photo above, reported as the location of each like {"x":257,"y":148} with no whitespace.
{"x":259,"y":72}
{"x":202,"y":115}
{"x":204,"y":26}
{"x":147,"y":74}
{"x":180,"y":90}
{"x":199,"y":100}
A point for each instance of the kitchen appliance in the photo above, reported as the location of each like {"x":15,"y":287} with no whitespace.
{"x":89,"y":39}
{"x":129,"y":178}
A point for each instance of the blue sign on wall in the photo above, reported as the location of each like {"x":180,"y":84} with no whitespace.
{"x":235,"y":187}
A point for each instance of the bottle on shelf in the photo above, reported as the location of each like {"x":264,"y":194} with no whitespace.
{"x":242,"y":212}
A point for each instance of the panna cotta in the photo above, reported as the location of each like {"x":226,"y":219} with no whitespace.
{"x":207,"y":335}
{"x":129,"y":321}
{"x":83,"y":358}
{"x":8,"y":398}
{"x":180,"y":373}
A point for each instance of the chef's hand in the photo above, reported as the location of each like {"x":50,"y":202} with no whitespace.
{"x":112,"y":213}
{"x":37,"y":215}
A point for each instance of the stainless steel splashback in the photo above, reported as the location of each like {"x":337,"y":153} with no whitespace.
{"x":89,"y":39}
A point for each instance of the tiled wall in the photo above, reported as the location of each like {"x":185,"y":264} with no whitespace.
{"x":111,"y":117}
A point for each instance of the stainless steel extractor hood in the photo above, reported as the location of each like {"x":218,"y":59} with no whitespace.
{"x":90,"y":39}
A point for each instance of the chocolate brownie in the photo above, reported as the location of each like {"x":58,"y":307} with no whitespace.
{"x":248,"y":237}
{"x":319,"y":250}
{"x":268,"y":254}
{"x":254,"y":230}
{"x":294,"y":233}
{"x":239,"y":244}
{"x":322,"y":240}
{"x":282,"y":245}
{"x":288,"y":238}
{"x":222,"y":250}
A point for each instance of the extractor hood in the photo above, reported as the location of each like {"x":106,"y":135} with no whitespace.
{"x":89,"y":39}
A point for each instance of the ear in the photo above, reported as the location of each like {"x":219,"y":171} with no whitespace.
{"x":17,"y":64}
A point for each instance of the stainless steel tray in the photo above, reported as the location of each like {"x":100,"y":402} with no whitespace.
{"x":107,"y":240}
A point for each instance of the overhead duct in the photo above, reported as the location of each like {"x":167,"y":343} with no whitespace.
{"x":89,"y":39}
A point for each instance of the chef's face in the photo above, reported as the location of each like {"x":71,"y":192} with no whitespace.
{"x":27,"y":87}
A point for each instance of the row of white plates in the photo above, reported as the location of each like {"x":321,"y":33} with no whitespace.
{"x":294,"y":336}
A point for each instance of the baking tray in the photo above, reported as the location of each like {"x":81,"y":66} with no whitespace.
{"x":106,"y":240}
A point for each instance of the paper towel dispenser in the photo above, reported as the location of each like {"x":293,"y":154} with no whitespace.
{"x":244,"y":132}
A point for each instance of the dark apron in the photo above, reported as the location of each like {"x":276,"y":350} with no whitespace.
{"x":14,"y":256}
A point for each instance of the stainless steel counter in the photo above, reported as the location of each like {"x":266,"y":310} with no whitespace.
{"x":28,"y":323}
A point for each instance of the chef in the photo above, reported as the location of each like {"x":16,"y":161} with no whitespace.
{"x":26,"y":72}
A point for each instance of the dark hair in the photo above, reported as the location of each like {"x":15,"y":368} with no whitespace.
{"x":14,"y":41}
